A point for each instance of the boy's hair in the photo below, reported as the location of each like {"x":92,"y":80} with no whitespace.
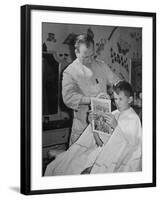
{"x":83,"y":39}
{"x":125,"y":87}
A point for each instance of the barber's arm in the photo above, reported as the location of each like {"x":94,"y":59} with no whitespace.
{"x":72,"y":94}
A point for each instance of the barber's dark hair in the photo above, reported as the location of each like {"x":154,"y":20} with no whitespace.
{"x":83,"y":39}
{"x":125,"y":87}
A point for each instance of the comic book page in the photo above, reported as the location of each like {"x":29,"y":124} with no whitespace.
{"x":100,"y":107}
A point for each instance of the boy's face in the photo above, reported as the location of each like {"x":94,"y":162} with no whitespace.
{"x":122,"y":101}
{"x":85,"y":54}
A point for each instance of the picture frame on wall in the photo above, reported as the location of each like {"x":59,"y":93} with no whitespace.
{"x":124,"y":42}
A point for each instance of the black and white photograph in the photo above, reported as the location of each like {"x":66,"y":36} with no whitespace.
{"x":89,"y":100}
{"x":81,"y":62}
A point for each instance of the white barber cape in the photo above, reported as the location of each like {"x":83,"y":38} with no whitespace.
{"x":120,"y":153}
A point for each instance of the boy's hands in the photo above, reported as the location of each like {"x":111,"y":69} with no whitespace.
{"x":91,"y":116}
{"x":97,"y":139}
{"x":111,"y":120}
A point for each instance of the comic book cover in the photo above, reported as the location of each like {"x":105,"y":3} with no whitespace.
{"x":100,"y":107}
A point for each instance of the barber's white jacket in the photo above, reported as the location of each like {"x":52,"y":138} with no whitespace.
{"x":80,"y":81}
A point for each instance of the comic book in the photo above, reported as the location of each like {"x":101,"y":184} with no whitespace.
{"x":100,"y":107}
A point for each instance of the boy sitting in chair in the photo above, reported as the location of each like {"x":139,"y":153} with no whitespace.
{"x":120,"y":153}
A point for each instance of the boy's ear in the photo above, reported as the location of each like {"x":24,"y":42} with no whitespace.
{"x":130,"y":100}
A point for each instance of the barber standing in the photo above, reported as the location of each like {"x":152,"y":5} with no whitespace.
{"x":84,"y":78}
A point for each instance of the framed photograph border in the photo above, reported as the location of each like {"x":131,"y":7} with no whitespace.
{"x":25,"y":185}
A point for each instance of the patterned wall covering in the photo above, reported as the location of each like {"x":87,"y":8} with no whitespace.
{"x":115,"y":45}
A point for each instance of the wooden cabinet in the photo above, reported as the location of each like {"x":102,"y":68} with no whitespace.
{"x":55,"y":138}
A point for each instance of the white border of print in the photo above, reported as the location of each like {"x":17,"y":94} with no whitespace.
{"x":43,"y":183}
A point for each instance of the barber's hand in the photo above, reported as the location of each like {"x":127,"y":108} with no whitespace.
{"x":111,"y":120}
{"x":103,"y":96}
